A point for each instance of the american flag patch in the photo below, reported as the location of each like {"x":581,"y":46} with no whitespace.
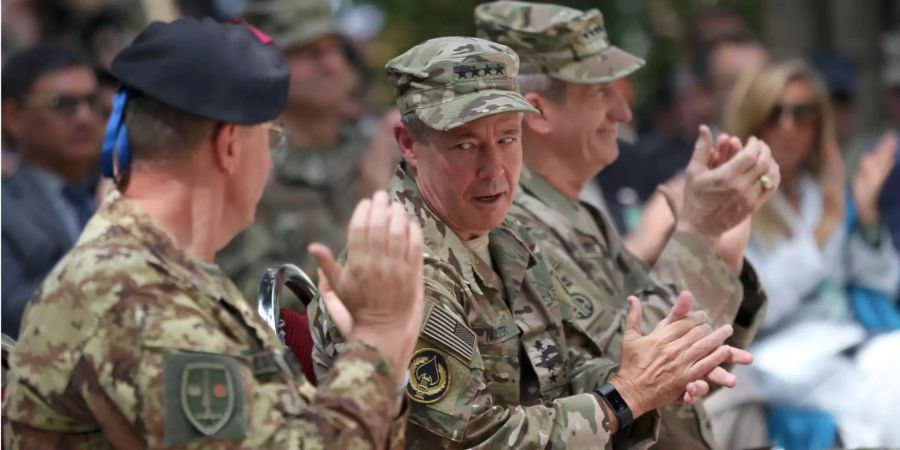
{"x":447,"y":331}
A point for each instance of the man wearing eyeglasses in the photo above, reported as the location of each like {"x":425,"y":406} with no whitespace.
{"x":138,"y":340}
{"x":50,"y":113}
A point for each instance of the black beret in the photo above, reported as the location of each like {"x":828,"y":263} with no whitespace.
{"x":226,"y":72}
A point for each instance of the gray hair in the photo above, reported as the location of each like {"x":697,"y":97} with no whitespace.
{"x":416,"y":127}
{"x":543,"y":85}
{"x":158,"y":132}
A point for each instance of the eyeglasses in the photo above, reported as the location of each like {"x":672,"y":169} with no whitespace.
{"x":802,"y":113}
{"x":277,"y":137}
{"x":67,"y":105}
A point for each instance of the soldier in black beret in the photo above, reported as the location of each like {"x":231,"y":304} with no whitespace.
{"x":136,"y":339}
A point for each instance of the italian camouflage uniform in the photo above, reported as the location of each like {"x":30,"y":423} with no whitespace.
{"x":132,"y":343}
{"x":580,"y":243}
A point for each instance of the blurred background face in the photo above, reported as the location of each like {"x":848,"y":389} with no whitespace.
{"x":729,"y":62}
{"x":793,"y":125}
{"x":321,"y":75}
{"x":468,"y":175}
{"x":60,"y":118}
{"x":585,"y":124}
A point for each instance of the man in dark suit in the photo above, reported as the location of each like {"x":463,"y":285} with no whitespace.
{"x":50,"y":109}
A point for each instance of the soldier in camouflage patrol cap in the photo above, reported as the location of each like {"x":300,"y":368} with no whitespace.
{"x":292,"y":24}
{"x":462,"y":80}
{"x":137,"y":340}
{"x":568,"y":63}
{"x":497,"y":364}
{"x":565,"y":43}
{"x":319,"y":176}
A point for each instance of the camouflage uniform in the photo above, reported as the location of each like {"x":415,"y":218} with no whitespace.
{"x":155,"y":349}
{"x":593,"y":264}
{"x":496,"y":365}
{"x":579,"y":241}
{"x":312,"y":191}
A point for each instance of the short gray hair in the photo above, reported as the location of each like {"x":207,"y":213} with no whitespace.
{"x":416,"y":127}
{"x":543,"y":85}
{"x":159,"y":132}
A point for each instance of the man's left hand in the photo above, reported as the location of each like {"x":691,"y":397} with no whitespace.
{"x":725,"y":184}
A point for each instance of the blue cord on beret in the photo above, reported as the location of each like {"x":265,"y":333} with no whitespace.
{"x":115,"y":156}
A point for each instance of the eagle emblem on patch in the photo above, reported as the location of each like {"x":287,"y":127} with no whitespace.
{"x":429,"y":376}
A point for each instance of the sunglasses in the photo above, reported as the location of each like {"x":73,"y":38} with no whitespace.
{"x":802,"y":113}
{"x":67,"y":105}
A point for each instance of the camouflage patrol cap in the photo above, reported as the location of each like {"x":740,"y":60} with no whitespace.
{"x":292,"y":23}
{"x":451,"y":81}
{"x":562,"y":42}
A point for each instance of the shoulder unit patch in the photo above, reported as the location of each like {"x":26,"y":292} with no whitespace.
{"x":429,"y":376}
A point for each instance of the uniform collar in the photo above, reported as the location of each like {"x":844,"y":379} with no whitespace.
{"x":573,"y":212}
{"x":511,"y":256}
{"x":119,"y":216}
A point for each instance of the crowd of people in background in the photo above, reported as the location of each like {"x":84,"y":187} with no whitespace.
{"x":825,"y":246}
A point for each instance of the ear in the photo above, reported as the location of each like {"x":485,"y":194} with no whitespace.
{"x":538,"y":123}
{"x":405,"y":141}
{"x":12,"y":119}
{"x":225,"y":149}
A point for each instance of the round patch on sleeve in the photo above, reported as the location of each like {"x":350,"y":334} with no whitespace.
{"x":429,"y":377}
{"x":585,"y":306}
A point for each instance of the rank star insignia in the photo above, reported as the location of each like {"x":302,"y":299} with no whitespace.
{"x":429,"y":376}
{"x":207,"y":396}
{"x":469,"y":71}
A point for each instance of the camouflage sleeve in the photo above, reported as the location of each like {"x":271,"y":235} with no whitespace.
{"x":752,"y":310}
{"x":452,"y":406}
{"x":327,"y":342}
{"x":165,"y":374}
{"x":689,"y":263}
{"x":589,"y":370}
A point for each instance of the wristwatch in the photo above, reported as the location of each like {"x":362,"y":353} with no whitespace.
{"x":617,"y":403}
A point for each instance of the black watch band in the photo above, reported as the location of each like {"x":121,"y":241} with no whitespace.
{"x":617,"y":403}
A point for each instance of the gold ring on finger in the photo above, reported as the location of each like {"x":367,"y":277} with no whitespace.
{"x":767,"y":182}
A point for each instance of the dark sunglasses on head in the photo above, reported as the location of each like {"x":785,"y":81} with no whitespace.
{"x":800,"y":112}
{"x":68,"y":104}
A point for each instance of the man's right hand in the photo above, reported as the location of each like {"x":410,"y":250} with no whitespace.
{"x":676,"y":361}
{"x":377,"y":296}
